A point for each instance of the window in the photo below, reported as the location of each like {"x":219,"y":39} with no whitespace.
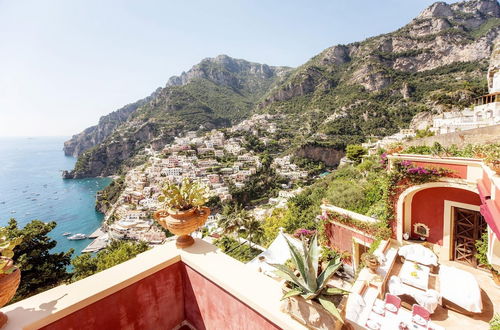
{"x":421,"y":229}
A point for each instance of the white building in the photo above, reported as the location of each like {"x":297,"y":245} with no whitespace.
{"x":486,"y":111}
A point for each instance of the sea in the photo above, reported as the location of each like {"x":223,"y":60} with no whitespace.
{"x":31,"y":187}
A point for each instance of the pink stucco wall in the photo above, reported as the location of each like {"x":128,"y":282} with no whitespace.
{"x":208,"y":306}
{"x":155,"y":302}
{"x":341,"y":238}
{"x":428,"y":207}
{"x":162,"y":301}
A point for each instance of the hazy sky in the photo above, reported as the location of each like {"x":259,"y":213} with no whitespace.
{"x":63,"y":64}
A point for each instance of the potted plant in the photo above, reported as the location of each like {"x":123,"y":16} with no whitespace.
{"x":10,"y":275}
{"x":371,"y":261}
{"x":306,"y":297}
{"x":184,"y":209}
{"x":482,"y":258}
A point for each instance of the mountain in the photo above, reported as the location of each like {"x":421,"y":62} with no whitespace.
{"x":215,"y":93}
{"x":107,"y":124}
{"x":345,"y":94}
{"x":437,"y":62}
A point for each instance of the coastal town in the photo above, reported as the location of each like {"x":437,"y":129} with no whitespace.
{"x":218,"y":161}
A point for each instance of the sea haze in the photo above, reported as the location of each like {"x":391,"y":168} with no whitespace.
{"x":31,"y":187}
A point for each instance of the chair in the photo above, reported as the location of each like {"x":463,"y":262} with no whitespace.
{"x":394,"y":300}
{"x":420,"y":311}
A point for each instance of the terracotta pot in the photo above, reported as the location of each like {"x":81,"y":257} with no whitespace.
{"x":372,"y":264}
{"x":8,"y":287}
{"x":182,"y":223}
{"x":311,"y":314}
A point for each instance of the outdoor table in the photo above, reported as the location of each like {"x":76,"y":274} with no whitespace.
{"x":391,"y":321}
{"x":415,"y":275}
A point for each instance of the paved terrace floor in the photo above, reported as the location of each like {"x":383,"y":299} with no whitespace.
{"x":450,"y":319}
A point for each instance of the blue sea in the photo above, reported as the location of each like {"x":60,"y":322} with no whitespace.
{"x":31,"y":187}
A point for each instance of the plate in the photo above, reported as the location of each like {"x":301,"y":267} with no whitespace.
{"x":378,"y":310}
{"x":419,"y":320}
{"x":371,"y":324}
{"x":391,"y":308}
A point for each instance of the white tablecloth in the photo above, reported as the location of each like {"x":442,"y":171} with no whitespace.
{"x":415,"y":275}
{"x":418,"y":253}
{"x":461,"y":288}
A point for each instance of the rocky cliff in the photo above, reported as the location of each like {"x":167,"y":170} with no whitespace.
{"x":94,"y":135}
{"x":215,"y":93}
{"x":437,"y":62}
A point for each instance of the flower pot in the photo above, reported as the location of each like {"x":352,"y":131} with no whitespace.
{"x":182,"y":223}
{"x":311,"y":314}
{"x":8,"y":286}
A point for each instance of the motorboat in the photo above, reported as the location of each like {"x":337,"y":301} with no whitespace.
{"x":77,"y":237}
{"x":66,"y":233}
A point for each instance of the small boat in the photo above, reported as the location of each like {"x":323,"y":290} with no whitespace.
{"x":77,"y":237}
{"x":12,"y":211}
{"x":66,"y":233}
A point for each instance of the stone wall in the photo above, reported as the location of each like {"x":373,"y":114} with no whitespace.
{"x":483,"y":135}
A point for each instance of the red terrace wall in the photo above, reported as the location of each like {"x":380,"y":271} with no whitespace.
{"x":428,"y":207}
{"x":154,"y":302}
{"x":459,"y":171}
{"x":208,"y":306}
{"x":497,"y":197}
{"x":341,"y":238}
{"x":486,"y":182}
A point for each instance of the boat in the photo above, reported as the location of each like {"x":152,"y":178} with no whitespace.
{"x":77,"y":237}
{"x":66,"y":233}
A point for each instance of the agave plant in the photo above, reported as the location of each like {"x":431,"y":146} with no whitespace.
{"x":185,"y":196}
{"x":6,"y":250}
{"x":308,"y":284}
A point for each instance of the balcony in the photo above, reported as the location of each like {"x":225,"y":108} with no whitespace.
{"x":163,"y":288}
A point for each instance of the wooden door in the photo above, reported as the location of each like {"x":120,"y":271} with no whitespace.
{"x":469,"y":226}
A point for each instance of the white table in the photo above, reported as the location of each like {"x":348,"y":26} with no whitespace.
{"x":415,"y":275}
{"x":391,"y":321}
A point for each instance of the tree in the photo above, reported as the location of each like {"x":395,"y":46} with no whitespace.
{"x":252,"y":229}
{"x":40,"y":269}
{"x":116,"y":253}
{"x":355,"y":152}
{"x":229,"y":220}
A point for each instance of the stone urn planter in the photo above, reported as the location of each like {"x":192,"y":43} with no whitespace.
{"x":182,"y":223}
{"x":311,"y":314}
{"x":371,"y":262}
{"x":9,"y":282}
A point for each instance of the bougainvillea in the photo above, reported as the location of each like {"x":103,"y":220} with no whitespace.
{"x":301,"y":232}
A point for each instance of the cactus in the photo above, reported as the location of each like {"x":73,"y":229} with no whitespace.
{"x":185,"y":196}
{"x":7,"y":251}
{"x":308,"y":284}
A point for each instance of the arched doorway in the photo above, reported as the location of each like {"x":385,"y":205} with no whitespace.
{"x":449,"y":211}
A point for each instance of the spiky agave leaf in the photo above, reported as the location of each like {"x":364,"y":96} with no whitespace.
{"x":332,"y":266}
{"x":311,"y":262}
{"x":298,"y":260}
{"x":287,"y":274}
{"x":330,"y":307}
{"x":334,"y":291}
{"x":292,"y":293}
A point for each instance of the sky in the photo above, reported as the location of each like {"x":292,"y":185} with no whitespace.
{"x":63,"y":64}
